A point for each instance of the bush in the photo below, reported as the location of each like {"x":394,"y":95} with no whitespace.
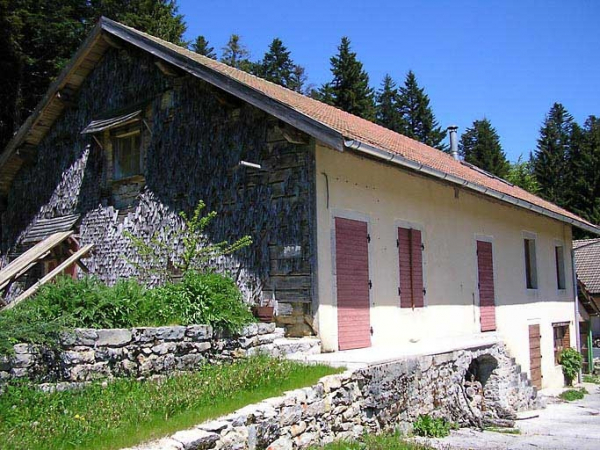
{"x":88,"y":303}
{"x":427,"y":426}
{"x":573,"y":394}
{"x":200,"y":298}
{"x":571,"y":361}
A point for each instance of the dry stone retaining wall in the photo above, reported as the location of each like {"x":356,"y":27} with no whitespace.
{"x":371,"y":399}
{"x":90,"y":354}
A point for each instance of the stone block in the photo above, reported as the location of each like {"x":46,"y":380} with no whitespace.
{"x":145,"y":334}
{"x":290,"y":415}
{"x":117,"y":337}
{"x":249,"y":330}
{"x":23,"y":360}
{"x":283,"y":443}
{"x":164,"y":348}
{"x":170,"y":333}
{"x":265,"y":328}
{"x":23,"y":348}
{"x":199,"y":332}
{"x":83,"y":336}
{"x":195,"y":439}
{"x":70,"y":357}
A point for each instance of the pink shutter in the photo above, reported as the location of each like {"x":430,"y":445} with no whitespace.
{"x":404,"y":267}
{"x":352,"y":276}
{"x":487,"y":303}
{"x":417,"y":268}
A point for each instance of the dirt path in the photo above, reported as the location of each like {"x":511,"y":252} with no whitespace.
{"x":560,"y":426}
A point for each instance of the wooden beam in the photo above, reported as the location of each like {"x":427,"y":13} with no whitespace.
{"x":168,"y":69}
{"x":111,"y":41}
{"x":27,"y":154}
{"x":293,"y":135}
{"x":33,"y":255}
{"x":57,"y":271}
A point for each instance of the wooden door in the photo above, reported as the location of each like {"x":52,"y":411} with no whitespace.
{"x":487,"y":301}
{"x":535,"y":356}
{"x":352,"y":276}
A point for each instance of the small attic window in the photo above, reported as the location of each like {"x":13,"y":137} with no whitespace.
{"x":127,"y":160}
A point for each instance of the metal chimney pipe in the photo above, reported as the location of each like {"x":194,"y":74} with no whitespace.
{"x":453,"y":141}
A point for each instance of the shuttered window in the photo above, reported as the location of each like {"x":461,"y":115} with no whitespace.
{"x":559,"y":256}
{"x":410,"y":253}
{"x":530,"y":264}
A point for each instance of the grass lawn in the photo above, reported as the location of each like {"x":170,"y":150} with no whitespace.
{"x":127,"y":412}
{"x":381,"y":442}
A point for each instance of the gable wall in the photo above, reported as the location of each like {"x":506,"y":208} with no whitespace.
{"x":192,"y":154}
{"x":388,"y":197}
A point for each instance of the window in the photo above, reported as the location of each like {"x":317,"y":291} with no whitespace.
{"x":410,"y":253}
{"x":559,"y":256}
{"x":562,"y":338}
{"x":530,"y":264}
{"x":127,"y":154}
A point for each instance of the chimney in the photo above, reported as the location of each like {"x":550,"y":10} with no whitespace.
{"x":453,"y":141}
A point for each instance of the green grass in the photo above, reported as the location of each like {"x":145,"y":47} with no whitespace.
{"x":379,"y":442}
{"x":573,"y":394}
{"x":200,"y":298}
{"x":127,"y":412}
{"x":591,"y":379}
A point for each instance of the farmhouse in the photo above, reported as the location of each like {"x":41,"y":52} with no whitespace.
{"x":362,"y":236}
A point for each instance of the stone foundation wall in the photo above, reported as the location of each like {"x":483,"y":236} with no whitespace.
{"x":89,"y":354}
{"x":372,"y":399}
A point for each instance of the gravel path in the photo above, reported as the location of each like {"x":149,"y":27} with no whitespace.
{"x":560,"y":426}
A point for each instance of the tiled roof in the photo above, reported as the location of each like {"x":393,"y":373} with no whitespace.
{"x":354,"y":127}
{"x":587,"y":262}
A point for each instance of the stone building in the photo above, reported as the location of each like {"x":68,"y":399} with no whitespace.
{"x":361,"y":235}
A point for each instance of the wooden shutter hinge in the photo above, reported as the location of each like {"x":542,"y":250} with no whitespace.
{"x":370,"y":284}
{"x":369,"y":238}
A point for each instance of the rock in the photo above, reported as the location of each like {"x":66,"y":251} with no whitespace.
{"x":215,"y":426}
{"x":283,"y":443}
{"x":266,"y":328}
{"x":73,"y":357}
{"x":249,"y":330}
{"x":195,"y":439}
{"x":23,"y":360}
{"x":145,"y":334}
{"x":116,"y":337}
{"x":306,"y":440}
{"x":22,"y":348}
{"x":84,"y":336}
{"x":295,"y":430}
{"x":170,"y":333}
{"x":290,"y":415}
{"x":164,"y":348}
{"x":199,"y":332}
{"x":331,"y":383}
{"x":162,"y":444}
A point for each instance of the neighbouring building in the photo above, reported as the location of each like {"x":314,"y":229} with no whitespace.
{"x":362,"y":236}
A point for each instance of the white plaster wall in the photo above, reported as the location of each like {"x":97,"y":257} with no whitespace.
{"x":387,"y":196}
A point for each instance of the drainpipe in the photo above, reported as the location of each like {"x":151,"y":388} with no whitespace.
{"x":577,"y":337}
{"x":590,"y":348}
{"x":453,"y":141}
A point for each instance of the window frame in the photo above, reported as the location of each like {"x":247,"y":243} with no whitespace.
{"x":129,"y":132}
{"x":560,"y":266}
{"x":564,"y":329}
{"x":529,"y":241}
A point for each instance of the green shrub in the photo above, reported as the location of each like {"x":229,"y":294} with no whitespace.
{"x":571,"y":361}
{"x":573,"y":394}
{"x":428,"y":426}
{"x":200,"y":298}
{"x":595,"y":379}
{"x":88,"y":303}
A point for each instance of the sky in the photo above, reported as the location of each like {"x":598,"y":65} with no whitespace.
{"x":508,"y":61}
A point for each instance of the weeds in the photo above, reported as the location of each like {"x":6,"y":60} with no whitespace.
{"x":428,"y":426}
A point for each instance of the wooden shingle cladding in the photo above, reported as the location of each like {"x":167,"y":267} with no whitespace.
{"x":192,"y":153}
{"x":410,"y":257}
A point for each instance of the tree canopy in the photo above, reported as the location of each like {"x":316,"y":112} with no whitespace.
{"x":202,"y":47}
{"x":480,"y":145}
{"x":349,"y":90}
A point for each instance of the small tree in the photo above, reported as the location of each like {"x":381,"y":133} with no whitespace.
{"x":188,"y":248}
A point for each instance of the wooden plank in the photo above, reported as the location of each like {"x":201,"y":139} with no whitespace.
{"x":535,"y":356}
{"x":57,"y":271}
{"x":34,"y":254}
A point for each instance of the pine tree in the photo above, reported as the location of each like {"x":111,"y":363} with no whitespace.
{"x":583,"y":174}
{"x":298,"y":79}
{"x":521,"y":174}
{"x":480,"y":145}
{"x":40,"y":36}
{"x":550,"y":161}
{"x":349,"y":90}
{"x":202,"y":47}
{"x":417,"y":116}
{"x":236,"y":54}
{"x":277,"y":65}
{"x":386,"y":106}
